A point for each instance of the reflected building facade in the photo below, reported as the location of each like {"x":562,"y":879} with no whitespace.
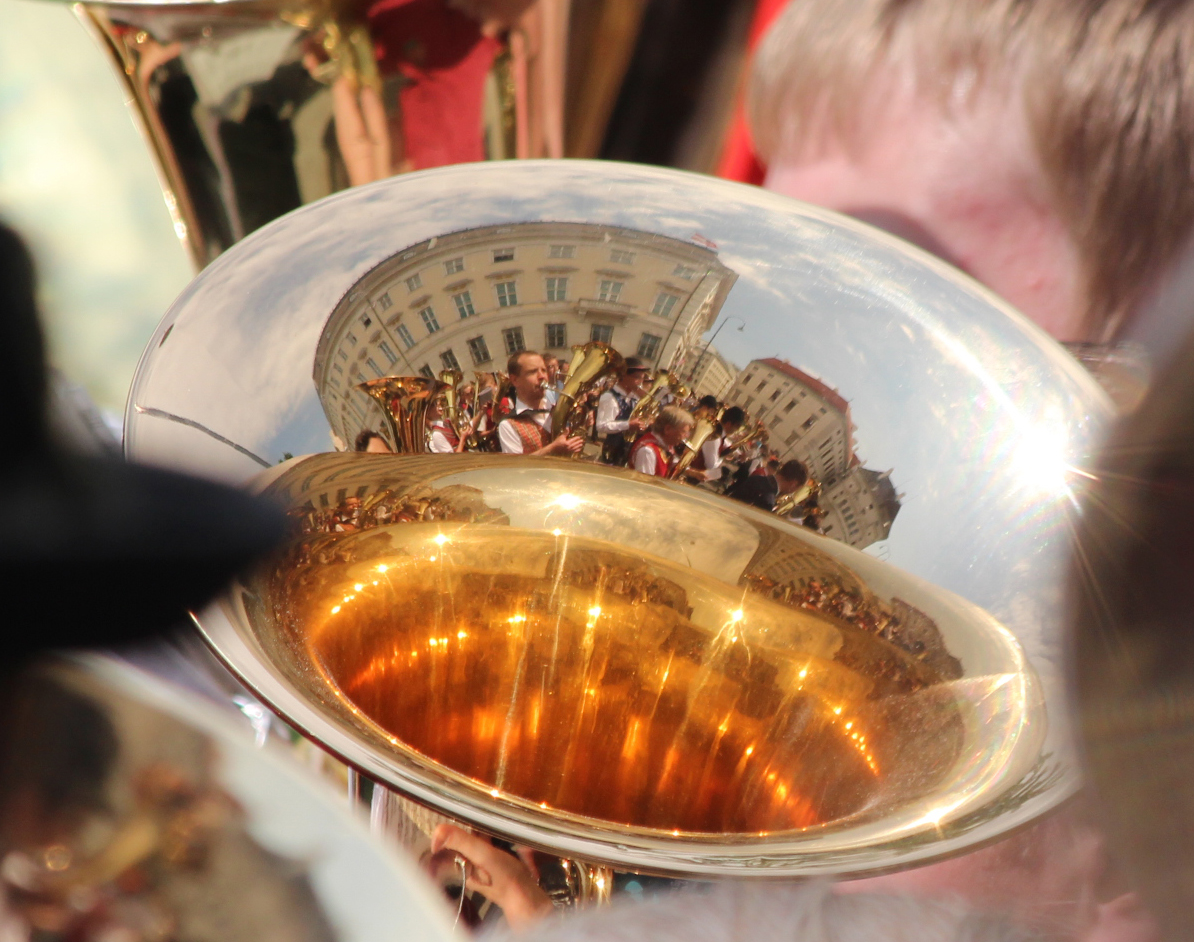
{"x":808,"y":420}
{"x":469,"y":300}
{"x":711,"y":374}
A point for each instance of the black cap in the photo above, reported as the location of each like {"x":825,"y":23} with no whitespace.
{"x":95,"y":551}
{"x":634,"y":364}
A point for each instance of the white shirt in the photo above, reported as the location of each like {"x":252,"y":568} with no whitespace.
{"x":438,"y":443}
{"x":508,"y":436}
{"x":711,"y":452}
{"x":607,"y":412}
{"x":645,"y":460}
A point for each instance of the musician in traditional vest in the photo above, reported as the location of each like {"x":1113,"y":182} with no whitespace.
{"x":707,"y":466}
{"x":614,"y":408}
{"x":443,"y":439}
{"x":527,"y":429}
{"x":655,"y":451}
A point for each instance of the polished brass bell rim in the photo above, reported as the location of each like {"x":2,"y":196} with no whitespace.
{"x":498,"y":513}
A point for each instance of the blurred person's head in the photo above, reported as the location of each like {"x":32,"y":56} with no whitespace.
{"x":732,"y":419}
{"x":553,"y":366}
{"x":744,"y":911}
{"x":673,"y":425}
{"x":1043,"y":148}
{"x":368,"y":440}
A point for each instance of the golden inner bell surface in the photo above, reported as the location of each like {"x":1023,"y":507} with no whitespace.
{"x":515,"y":639}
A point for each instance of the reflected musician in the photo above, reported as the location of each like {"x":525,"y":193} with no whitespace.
{"x":615,"y":412}
{"x":527,"y":429}
{"x":655,"y":452}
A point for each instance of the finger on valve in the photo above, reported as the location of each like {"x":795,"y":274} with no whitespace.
{"x":502,"y":878}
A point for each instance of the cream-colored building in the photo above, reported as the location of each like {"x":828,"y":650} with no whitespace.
{"x":470,"y":299}
{"x":711,"y":374}
{"x":859,"y":506}
{"x":810,"y":421}
{"x":805,"y":418}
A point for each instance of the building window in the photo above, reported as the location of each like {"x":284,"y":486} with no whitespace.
{"x":385,"y":302}
{"x":602,"y":332}
{"x":512,"y":338}
{"x":791,"y":438}
{"x":683,"y":271}
{"x":464,"y":304}
{"x":775,"y":395}
{"x":560,"y":251}
{"x":648,"y":346}
{"x":453,"y":265}
{"x":413,"y":282}
{"x":621,"y":257}
{"x":338,"y":368}
{"x":609,"y":290}
{"x":809,"y":422}
{"x":478,"y":349}
{"x":429,"y":320}
{"x":557,"y":289}
{"x":664,"y":303}
{"x":405,"y":336}
{"x":448,"y":359}
{"x":762,"y":383}
{"x":507,"y":293}
{"x":366,"y":320}
{"x":388,"y":352}
{"x":352,"y":338}
{"x":504,"y":255}
{"x":427,"y":371}
{"x":373,"y":366}
{"x":789,"y":406}
{"x":342,"y":354}
{"x":557,"y":336}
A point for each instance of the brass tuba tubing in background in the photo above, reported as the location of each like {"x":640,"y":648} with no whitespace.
{"x":404,"y":402}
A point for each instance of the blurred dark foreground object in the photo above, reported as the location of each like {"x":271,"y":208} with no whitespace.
{"x":94,"y":551}
{"x":1133,"y":642}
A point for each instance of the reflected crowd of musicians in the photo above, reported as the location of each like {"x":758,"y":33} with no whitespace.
{"x":611,"y":409}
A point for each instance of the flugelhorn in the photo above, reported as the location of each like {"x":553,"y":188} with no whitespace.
{"x":706,"y":425}
{"x":647,"y":408}
{"x":610,"y":668}
{"x":450,"y":383}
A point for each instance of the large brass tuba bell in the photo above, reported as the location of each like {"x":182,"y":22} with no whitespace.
{"x":632,"y":672}
{"x":404,"y":402}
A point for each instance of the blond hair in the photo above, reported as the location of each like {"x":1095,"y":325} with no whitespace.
{"x":673,"y":417}
{"x":1107,"y":88}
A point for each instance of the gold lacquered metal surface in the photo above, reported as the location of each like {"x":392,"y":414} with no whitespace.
{"x":578,"y":649}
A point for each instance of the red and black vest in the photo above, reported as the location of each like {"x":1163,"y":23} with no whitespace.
{"x":663,"y":457}
{"x":531,"y":433}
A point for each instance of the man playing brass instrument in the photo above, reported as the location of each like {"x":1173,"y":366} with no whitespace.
{"x":527,"y":429}
{"x":708,"y":465}
{"x":615,"y":408}
{"x":761,"y":491}
{"x":654,"y":452}
{"x":443,"y":439}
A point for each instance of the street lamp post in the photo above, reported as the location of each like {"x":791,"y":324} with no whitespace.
{"x":701,"y":359}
